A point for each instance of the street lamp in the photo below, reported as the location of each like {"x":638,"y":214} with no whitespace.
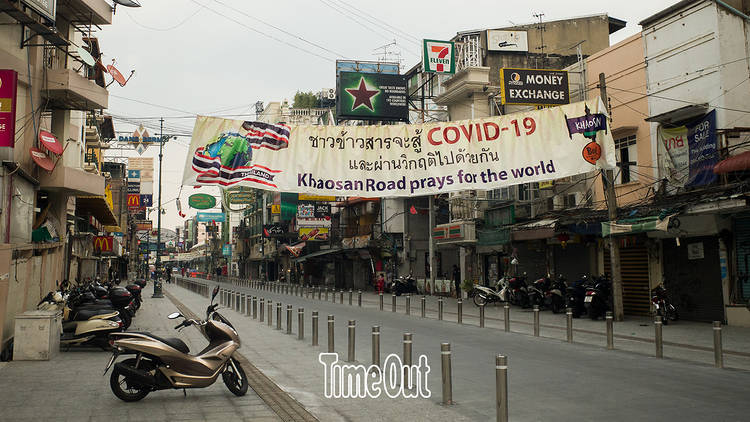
{"x":158,"y":281}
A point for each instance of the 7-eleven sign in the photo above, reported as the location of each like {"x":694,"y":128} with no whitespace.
{"x":439,"y":56}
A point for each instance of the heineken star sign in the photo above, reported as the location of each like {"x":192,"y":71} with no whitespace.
{"x":372,"y":96}
{"x":201,"y":201}
{"x":438,"y":56}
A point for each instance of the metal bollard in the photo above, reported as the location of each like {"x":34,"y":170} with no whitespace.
{"x":380,"y":299}
{"x":289,"y":319}
{"x":333,"y":296}
{"x":569,"y":318}
{"x":330,"y":334}
{"x":352,"y":338}
{"x":408,"y":304}
{"x":350,"y":297}
{"x":718,"y":352}
{"x":481,"y":315}
{"x":249,"y":305}
{"x":270,"y":313}
{"x":501,"y":388}
{"x":440,"y":309}
{"x":424,"y":306}
{"x":255,"y":307}
{"x":243,"y":304}
{"x":359,"y":298}
{"x":262,"y":304}
{"x":506,"y":310}
{"x":341,"y":296}
{"x":319,"y":293}
{"x":658,"y":339}
{"x":460,"y":310}
{"x":301,"y":323}
{"x":445,"y":355}
{"x":315,"y":328}
{"x":376,"y":345}
{"x":407,"y":361}
{"x":610,"y":331}
{"x":278,"y":316}
{"x":536,"y":320}
{"x":326,"y":294}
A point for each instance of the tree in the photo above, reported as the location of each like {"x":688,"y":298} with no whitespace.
{"x":305,"y":100}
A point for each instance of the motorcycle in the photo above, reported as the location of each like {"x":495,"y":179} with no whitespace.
{"x":537,"y":291}
{"x":554,"y":297}
{"x":118,"y":298}
{"x":597,"y":300}
{"x":165,"y":363}
{"x":404,"y":284}
{"x":484,"y":295}
{"x":517,"y":292}
{"x":83,"y":327}
{"x":575,"y":294}
{"x":663,"y":305}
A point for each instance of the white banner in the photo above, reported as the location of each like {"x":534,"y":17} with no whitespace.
{"x":402,"y":160}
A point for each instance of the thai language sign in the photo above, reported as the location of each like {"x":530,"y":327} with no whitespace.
{"x":688,"y":154}
{"x":402,"y":160}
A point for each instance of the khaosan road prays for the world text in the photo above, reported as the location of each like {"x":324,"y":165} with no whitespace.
{"x":402,"y":160}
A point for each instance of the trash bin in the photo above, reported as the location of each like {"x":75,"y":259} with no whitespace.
{"x":37,"y":335}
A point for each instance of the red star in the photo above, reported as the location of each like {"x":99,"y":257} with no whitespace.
{"x":362,"y":95}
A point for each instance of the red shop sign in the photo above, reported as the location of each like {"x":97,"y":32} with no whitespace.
{"x":8,"y":90}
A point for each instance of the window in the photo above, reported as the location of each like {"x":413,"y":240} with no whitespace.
{"x":626,"y":159}
{"x":528,"y":191}
{"x":502,"y":194}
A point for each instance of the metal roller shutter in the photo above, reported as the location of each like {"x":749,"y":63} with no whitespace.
{"x":635,"y":286}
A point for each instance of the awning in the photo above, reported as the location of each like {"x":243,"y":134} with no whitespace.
{"x":318,"y":253}
{"x":112,"y":229}
{"x":540,"y":229}
{"x":679,"y":115}
{"x":737,"y":162}
{"x":639,"y":225}
{"x":96,"y":206}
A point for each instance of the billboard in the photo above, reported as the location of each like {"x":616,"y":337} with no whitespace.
{"x":365,"y":66}
{"x":372,"y":96}
{"x":507,"y":40}
{"x":313,"y":233}
{"x":207,"y":217}
{"x":418,"y":159}
{"x":534,"y":87}
{"x":688,"y":153}
{"x":273,"y":230}
{"x":313,"y":210}
{"x":438,"y":56}
{"x":8,"y":94}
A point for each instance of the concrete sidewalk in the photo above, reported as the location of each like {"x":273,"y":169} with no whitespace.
{"x":71,"y":387}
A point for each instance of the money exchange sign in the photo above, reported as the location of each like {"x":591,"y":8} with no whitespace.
{"x":402,"y":160}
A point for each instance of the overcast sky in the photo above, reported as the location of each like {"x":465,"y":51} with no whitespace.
{"x":218,"y":57}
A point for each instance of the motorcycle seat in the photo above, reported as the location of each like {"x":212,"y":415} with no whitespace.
{"x":174,"y":342}
{"x":86,"y":314}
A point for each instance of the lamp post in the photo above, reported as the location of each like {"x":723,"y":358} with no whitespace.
{"x":158,"y":281}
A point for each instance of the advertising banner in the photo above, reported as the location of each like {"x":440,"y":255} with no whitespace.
{"x":406,"y":160}
{"x":372,"y":96}
{"x":207,"y":217}
{"x":313,"y":210}
{"x":201,"y":201}
{"x":534,"y":87}
{"x":439,"y":56}
{"x":688,"y":154}
{"x":313,"y":233}
{"x":8,"y":93}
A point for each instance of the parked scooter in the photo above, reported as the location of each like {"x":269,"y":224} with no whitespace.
{"x":597,"y":300}
{"x":663,"y":305}
{"x":575,"y":294}
{"x":484,"y":295}
{"x":99,"y":297}
{"x":404,"y":284}
{"x":165,"y":363}
{"x":83,"y":327}
{"x":517,"y":292}
{"x":554,"y":297}
{"x":537,"y":291}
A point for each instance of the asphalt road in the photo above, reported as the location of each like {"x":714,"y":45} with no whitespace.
{"x":548,"y":379}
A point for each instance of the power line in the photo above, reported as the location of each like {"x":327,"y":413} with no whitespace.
{"x":164,"y":29}
{"x":405,"y":34}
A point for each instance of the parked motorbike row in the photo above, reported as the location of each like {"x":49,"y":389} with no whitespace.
{"x":587,"y":295}
{"x":93,"y":311}
{"x":403,"y":284}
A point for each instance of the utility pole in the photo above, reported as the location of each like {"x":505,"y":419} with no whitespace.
{"x":608,"y":180}
{"x":157,"y":282}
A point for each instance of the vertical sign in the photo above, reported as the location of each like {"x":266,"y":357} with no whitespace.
{"x":439,"y":56}
{"x":8,"y":84}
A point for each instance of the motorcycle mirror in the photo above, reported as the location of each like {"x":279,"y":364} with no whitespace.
{"x":514,"y":261}
{"x":215,"y":292}
{"x":174,"y":315}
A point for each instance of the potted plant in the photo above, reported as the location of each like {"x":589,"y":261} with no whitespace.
{"x":467,"y":289}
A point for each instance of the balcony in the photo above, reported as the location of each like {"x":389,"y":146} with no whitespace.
{"x":93,"y":12}
{"x":68,"y":90}
{"x":74,"y":181}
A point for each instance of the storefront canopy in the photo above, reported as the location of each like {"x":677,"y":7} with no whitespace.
{"x":96,"y":206}
{"x":540,"y":229}
{"x":318,"y":253}
{"x":639,"y":225}
{"x":738,"y":162}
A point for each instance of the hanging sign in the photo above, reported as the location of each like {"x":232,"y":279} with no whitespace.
{"x":403,"y":160}
{"x":103,"y":243}
{"x":688,"y":154}
{"x":206,"y":217}
{"x":8,"y":93}
{"x":439,"y":56}
{"x":201,"y":201}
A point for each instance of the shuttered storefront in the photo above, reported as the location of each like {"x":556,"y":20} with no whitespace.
{"x":636,"y":295}
{"x":692,"y":277}
{"x":741,"y":291}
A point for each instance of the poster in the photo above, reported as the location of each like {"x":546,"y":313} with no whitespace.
{"x":688,"y":154}
{"x":401,"y":160}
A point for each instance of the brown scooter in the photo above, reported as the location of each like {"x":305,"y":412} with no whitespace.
{"x":165,"y":363}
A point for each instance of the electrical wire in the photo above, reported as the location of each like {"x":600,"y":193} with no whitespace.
{"x":179,"y":24}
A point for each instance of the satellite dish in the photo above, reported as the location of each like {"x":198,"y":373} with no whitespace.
{"x":127,"y":3}
{"x":85,"y":56}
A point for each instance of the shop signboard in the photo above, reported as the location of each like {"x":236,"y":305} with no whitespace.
{"x":207,"y":217}
{"x":201,"y":201}
{"x":439,"y":56}
{"x":534,"y":87}
{"x":8,"y":94}
{"x":372,"y":96}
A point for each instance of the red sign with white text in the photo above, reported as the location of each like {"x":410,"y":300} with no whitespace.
{"x":8,"y":85}
{"x":103,"y":243}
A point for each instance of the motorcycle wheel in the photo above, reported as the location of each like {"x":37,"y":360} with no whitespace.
{"x":524,"y":301}
{"x":479,"y":299}
{"x":557,"y":305}
{"x":236,"y":382}
{"x":124,"y":389}
{"x":126,"y":319}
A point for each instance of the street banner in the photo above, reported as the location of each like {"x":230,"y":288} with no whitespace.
{"x":688,"y":154}
{"x":206,"y":217}
{"x":404,"y":160}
